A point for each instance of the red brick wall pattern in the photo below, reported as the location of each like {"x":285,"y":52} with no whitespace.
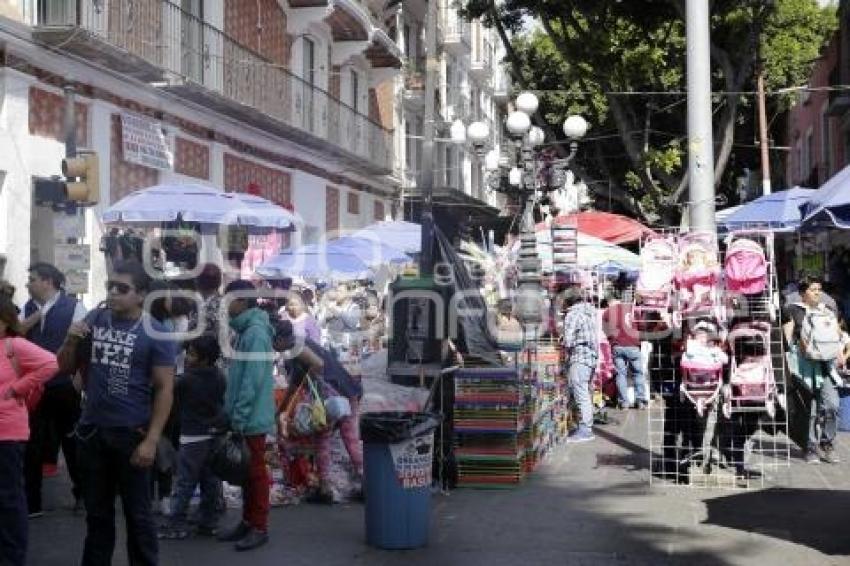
{"x":331,"y":209}
{"x":47,"y":116}
{"x":192,"y":159}
{"x":274,"y":184}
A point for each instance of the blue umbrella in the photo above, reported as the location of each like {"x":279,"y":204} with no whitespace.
{"x":776,"y":212}
{"x":198,"y":203}
{"x":831,"y":203}
{"x":315,"y":262}
{"x":398,"y":234}
{"x":615,"y":268}
{"x":370,"y":252}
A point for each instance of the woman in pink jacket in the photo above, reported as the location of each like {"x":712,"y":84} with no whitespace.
{"x":24,"y":367}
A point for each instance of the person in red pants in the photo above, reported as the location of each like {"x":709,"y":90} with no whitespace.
{"x":249,"y":404}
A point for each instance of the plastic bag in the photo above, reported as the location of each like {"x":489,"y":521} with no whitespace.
{"x":231,"y":459}
{"x":337,"y":407}
{"x":380,"y":395}
{"x":393,"y":427}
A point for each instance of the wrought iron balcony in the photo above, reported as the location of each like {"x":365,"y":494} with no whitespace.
{"x":457,"y":32}
{"x":156,"y":41}
{"x":481,"y":65}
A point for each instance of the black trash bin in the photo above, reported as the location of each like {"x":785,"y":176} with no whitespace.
{"x":397,"y":458}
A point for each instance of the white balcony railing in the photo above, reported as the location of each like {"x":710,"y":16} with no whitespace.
{"x":160,"y":33}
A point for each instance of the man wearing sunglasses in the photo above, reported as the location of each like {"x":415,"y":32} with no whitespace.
{"x":128,"y":373}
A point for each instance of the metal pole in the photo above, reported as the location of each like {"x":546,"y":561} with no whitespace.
{"x":700,"y":138}
{"x":70,"y":123}
{"x":426,"y":166}
{"x":765,"y":149}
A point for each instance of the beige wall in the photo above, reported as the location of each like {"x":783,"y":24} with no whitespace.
{"x":12,"y":9}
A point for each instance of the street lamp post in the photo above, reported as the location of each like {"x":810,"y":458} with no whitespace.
{"x":521,"y":166}
{"x":530,"y":186}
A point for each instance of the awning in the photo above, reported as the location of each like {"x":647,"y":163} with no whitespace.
{"x":830,"y":205}
{"x":776,"y":212}
{"x":606,"y":226}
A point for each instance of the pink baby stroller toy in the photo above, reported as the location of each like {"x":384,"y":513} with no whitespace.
{"x":751,"y":386}
{"x":654,"y":288}
{"x":702,"y":368}
{"x":745,"y":267}
{"x":747,"y":275}
{"x":698,"y":275}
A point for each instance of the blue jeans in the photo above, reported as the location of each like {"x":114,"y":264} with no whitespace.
{"x":104,"y":458}
{"x":626,"y":357}
{"x":579,"y":378}
{"x":13,"y":505}
{"x":825,"y":404}
{"x":193,"y":468}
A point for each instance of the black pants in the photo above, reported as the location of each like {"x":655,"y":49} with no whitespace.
{"x":107,"y":472}
{"x":55,"y":417}
{"x":13,"y":505}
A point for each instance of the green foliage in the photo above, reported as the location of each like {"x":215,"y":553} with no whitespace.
{"x":583,"y":52}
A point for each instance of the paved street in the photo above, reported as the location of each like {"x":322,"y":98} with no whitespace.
{"x":589,"y":504}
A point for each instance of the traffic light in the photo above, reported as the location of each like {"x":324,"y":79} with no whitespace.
{"x":82,"y":178}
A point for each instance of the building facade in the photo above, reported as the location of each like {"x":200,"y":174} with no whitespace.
{"x":471,"y":86}
{"x":293,"y":100}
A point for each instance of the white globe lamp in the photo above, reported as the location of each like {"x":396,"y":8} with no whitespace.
{"x":518,"y":123}
{"x":527,"y":103}
{"x":575,"y":127}
{"x":536,"y":137}
{"x":457,"y":132}
{"x":478,"y":133}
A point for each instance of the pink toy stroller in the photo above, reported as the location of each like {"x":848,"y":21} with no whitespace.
{"x":702,"y":374}
{"x":654,"y":288}
{"x":745,"y":267}
{"x":751,"y":386}
{"x":697,"y":276}
{"x":747,"y":274}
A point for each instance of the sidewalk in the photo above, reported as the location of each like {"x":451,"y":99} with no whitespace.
{"x":588,"y":504}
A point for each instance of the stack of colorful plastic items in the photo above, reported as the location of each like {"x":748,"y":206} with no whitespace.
{"x":488,"y":426}
{"x":545,"y":390}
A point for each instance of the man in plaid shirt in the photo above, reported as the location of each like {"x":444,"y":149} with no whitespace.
{"x":581,"y":342}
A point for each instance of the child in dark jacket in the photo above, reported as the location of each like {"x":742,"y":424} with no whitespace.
{"x":199,"y":400}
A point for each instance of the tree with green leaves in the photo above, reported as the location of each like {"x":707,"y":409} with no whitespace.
{"x":622,"y":65}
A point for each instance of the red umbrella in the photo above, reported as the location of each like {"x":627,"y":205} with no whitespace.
{"x":606,"y":226}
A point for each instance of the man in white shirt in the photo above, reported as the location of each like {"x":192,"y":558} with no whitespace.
{"x":46,"y":319}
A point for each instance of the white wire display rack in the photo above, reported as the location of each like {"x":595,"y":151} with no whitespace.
{"x":741,"y":445}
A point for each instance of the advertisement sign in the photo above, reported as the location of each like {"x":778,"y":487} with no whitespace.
{"x":67,"y":226}
{"x":77,"y":282}
{"x":72,"y":257}
{"x":412,"y":460}
{"x":143,"y":142}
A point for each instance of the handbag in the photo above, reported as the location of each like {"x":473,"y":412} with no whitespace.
{"x":33,"y":398}
{"x":318,"y":414}
{"x":307,"y":417}
{"x":230,"y":459}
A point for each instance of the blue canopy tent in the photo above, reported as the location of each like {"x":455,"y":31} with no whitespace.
{"x":370,"y":252}
{"x":399,"y":234}
{"x":315,"y":262}
{"x":830,"y":205}
{"x":776,"y":212}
